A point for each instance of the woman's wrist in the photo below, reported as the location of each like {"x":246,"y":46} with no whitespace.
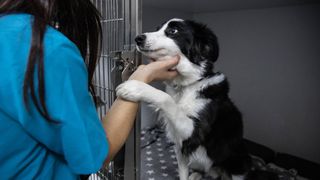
{"x":142,"y":74}
{"x":144,"y":79}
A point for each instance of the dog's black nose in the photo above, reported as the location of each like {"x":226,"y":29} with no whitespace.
{"x":140,"y":39}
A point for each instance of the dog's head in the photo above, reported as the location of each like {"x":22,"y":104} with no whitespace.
{"x":196,"y":43}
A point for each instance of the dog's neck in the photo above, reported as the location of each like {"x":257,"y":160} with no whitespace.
{"x":189,"y":73}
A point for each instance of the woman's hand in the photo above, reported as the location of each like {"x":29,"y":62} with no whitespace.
{"x":158,"y":70}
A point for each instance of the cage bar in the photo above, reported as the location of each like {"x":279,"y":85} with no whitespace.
{"x":120,"y":24}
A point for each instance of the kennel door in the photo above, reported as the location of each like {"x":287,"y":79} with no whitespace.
{"x":121,"y":22}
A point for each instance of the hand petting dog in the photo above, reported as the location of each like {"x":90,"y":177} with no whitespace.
{"x":156,"y":70}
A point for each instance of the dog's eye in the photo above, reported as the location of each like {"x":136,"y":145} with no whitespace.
{"x":173,"y":31}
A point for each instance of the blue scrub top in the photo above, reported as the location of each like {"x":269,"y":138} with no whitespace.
{"x":30,"y":146}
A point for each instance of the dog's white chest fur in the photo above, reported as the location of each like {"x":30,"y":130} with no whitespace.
{"x":186,"y":98}
{"x":188,"y":104}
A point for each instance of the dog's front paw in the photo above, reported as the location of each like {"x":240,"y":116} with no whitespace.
{"x":131,"y":90}
{"x":195,"y":176}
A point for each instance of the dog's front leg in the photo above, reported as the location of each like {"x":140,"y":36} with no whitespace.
{"x":138,"y":91}
{"x":182,"y":164}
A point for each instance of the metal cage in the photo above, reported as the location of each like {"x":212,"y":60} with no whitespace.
{"x":121,"y":22}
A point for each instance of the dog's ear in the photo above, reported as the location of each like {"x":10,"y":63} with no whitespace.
{"x":204,"y":44}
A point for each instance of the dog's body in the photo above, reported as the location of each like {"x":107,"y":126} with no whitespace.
{"x":199,"y":116}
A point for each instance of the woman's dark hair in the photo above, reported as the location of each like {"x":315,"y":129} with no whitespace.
{"x":79,"y":20}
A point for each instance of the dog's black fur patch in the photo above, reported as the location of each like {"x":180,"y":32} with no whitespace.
{"x":219,"y":129}
{"x":197,"y":42}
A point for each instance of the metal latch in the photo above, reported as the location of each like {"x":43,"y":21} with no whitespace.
{"x":125,"y":65}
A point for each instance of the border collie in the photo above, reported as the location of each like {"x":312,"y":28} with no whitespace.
{"x":201,"y":120}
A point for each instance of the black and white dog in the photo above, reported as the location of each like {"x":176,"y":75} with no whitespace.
{"x":199,"y":116}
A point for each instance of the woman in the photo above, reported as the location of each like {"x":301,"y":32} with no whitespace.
{"x":48,"y":121}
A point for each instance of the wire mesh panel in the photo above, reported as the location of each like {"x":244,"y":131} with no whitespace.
{"x":120,"y":22}
{"x":112,"y":22}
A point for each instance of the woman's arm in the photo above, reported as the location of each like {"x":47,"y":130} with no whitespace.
{"x":117,"y":124}
{"x":120,"y":118}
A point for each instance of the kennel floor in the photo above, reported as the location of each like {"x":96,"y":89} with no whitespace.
{"x":158,"y":159}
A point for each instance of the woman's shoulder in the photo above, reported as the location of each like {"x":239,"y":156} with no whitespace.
{"x":61,"y":54}
{"x":9,"y":22}
{"x":59,"y":50}
{"x":54,"y":38}
{"x":22,"y":23}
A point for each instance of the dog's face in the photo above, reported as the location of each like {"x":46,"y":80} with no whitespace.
{"x":196,"y":45}
{"x":177,"y":36}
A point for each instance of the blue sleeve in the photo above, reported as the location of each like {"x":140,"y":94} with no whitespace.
{"x":78,"y":136}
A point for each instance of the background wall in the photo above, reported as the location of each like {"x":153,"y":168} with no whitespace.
{"x":272,"y":59}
